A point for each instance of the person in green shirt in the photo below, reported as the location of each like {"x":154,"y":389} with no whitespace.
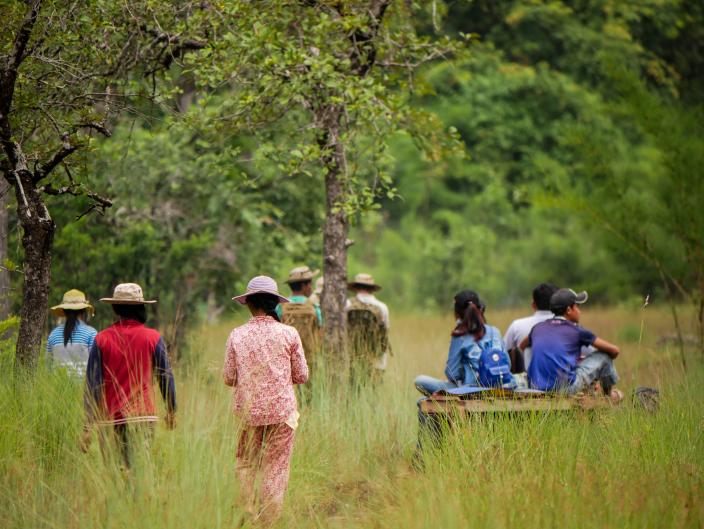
{"x":300,"y":281}
{"x":306,"y":317}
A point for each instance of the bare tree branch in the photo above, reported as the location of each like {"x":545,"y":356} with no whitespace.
{"x":59,"y":156}
{"x":99,"y":127}
{"x":100,"y":203}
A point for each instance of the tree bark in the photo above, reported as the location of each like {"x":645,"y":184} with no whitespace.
{"x":4,"y":273}
{"x":38,"y":236}
{"x":335,"y":233}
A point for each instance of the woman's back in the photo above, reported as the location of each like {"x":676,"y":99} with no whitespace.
{"x":465,"y":350}
{"x":264,"y":358}
{"x":72,"y":355}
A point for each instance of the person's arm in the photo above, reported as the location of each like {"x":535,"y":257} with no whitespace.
{"x":319,"y":315}
{"x":93,"y":393}
{"x":524,"y":343}
{"x":229,"y":370}
{"x":385,"y":314}
{"x":606,"y":347}
{"x":453,"y":367}
{"x":167,"y":385}
{"x":299,"y":366}
{"x":510,"y":338}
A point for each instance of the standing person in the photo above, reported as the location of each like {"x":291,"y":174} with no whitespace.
{"x":303,"y":314}
{"x":121,"y":366}
{"x":315,"y":297}
{"x":520,"y":328}
{"x":367,"y":325}
{"x":263,"y":360}
{"x":557,"y":345}
{"x":69,"y":343}
{"x":471,"y":336}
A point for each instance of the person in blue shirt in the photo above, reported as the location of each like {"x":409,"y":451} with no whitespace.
{"x":69,"y":343}
{"x":558,"y":363}
{"x":470,"y":336}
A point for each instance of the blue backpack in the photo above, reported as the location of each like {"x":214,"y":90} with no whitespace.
{"x":495,"y":368}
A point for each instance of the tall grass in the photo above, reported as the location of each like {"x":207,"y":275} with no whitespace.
{"x":352,"y":457}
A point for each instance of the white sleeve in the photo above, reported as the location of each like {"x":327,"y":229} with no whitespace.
{"x":385,"y":313}
{"x":510,"y":337}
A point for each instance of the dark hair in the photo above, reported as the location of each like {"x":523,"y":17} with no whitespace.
{"x":71,"y":323}
{"x":298,"y":285}
{"x":559,"y":310}
{"x":542,"y":294}
{"x":131,"y":312}
{"x":265,"y":302}
{"x":470,"y":312}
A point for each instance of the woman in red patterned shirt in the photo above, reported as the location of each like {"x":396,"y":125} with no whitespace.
{"x":263,"y":360}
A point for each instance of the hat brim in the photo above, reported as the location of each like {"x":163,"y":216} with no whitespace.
{"x":312,"y":275}
{"x":352,"y":286}
{"x":582,"y":297}
{"x":116,"y":301}
{"x":58,"y":310}
{"x":242,"y":298}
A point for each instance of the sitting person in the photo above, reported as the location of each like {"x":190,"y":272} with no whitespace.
{"x":470,"y":338}
{"x":520,"y":328}
{"x":556,"y":364}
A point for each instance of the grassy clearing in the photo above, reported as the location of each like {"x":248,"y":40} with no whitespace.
{"x":352,"y":457}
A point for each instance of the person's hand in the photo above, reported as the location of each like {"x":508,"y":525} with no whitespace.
{"x":170,"y":420}
{"x":86,"y":438}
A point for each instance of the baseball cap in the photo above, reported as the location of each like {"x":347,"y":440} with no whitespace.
{"x":566,"y":297}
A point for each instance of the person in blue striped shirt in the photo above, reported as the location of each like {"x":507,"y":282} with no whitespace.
{"x":69,"y":343}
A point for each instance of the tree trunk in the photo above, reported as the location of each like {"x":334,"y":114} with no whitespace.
{"x":335,"y":234}
{"x":38,"y":235}
{"x":4,"y":273}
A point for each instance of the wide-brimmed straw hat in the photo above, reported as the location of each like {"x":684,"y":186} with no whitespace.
{"x":364,"y":280}
{"x":301,"y":273}
{"x":127,"y":294}
{"x":261,"y":285}
{"x":73,"y":300}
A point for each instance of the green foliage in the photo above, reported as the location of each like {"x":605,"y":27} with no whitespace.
{"x":570,"y":121}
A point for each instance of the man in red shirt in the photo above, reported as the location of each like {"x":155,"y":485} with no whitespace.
{"x":122,"y":363}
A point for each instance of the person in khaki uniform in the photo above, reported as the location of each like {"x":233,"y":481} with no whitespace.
{"x":300,"y":312}
{"x":367,"y":327}
{"x":315,"y":297}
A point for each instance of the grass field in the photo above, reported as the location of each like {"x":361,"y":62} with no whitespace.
{"x":352,"y":458}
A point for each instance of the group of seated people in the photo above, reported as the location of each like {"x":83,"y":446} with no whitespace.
{"x":547,"y":351}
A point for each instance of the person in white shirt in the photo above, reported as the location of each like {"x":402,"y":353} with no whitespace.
{"x":364,"y":287}
{"x":521,"y":328}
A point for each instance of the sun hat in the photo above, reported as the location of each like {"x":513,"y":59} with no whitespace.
{"x":260,"y":285}
{"x":73,"y":300}
{"x":127,"y":294}
{"x":363,"y":280}
{"x":301,"y":273}
{"x":566,"y":297}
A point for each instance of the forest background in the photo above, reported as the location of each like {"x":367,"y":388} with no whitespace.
{"x":574,"y":155}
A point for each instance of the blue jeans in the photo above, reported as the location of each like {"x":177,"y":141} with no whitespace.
{"x":429,"y":385}
{"x":597,"y":366}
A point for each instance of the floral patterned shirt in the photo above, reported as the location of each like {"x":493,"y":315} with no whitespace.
{"x":263,"y":359}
